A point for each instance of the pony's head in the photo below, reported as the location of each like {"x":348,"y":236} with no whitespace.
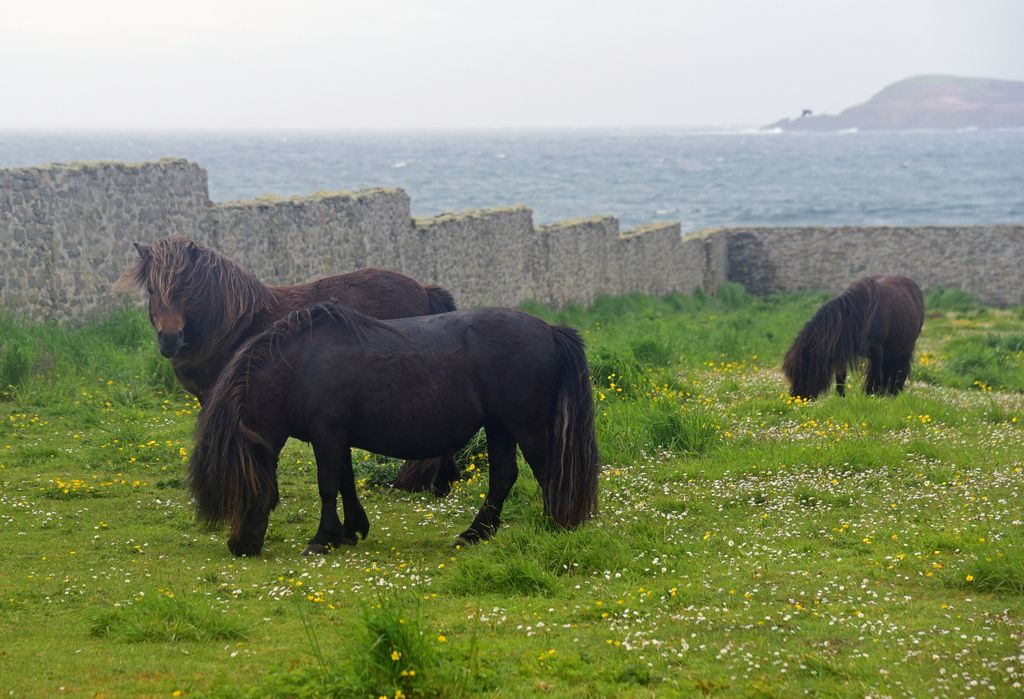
{"x":809,"y":374}
{"x":166,"y":297}
{"x":197,"y":297}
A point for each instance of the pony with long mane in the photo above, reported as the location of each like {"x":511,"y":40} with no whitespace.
{"x":406,"y":388}
{"x":203,"y":307}
{"x":879,"y":318}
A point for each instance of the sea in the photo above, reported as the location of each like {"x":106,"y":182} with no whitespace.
{"x":742,"y":177}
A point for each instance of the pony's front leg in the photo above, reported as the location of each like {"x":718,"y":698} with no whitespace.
{"x":503,"y":472}
{"x":356,"y":521}
{"x":334,"y":472}
{"x":248,"y":534}
{"x":841,"y":381}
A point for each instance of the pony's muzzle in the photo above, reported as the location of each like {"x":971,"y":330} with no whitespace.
{"x":170,"y":342}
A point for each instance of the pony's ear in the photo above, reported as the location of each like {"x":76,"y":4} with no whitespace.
{"x":135,"y":276}
{"x":193,"y":251}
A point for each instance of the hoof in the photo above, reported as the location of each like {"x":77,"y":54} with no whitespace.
{"x":314,"y":550}
{"x":349,"y":537}
{"x":467,"y":538}
{"x":241,"y":550}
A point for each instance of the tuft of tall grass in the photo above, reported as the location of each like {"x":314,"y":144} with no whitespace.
{"x":16,"y":357}
{"x":653,"y":351}
{"x":625,"y":429}
{"x":530,"y":556}
{"x":945,"y":299}
{"x":125,"y":328}
{"x":393,"y":651}
{"x":163,"y":617}
{"x":20,"y":343}
{"x":1002,"y":575}
{"x":619,"y":367}
{"x":118,"y":347}
{"x":987,"y":362}
{"x":733,"y":295}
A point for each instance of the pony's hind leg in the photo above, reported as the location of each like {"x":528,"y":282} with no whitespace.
{"x":501,"y":454}
{"x":874,"y":381}
{"x":895,"y":373}
{"x":356,"y":521}
{"x":841,"y":381}
{"x":334,"y":474}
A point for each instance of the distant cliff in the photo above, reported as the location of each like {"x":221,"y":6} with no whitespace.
{"x":927,"y":102}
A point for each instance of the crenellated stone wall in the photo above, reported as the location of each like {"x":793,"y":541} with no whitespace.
{"x":302,"y":238}
{"x":983,"y":260}
{"x":67,"y":231}
{"x":64,"y":228}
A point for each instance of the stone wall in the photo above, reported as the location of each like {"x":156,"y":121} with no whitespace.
{"x":983,"y":260}
{"x":66,"y":233}
{"x":302,"y":238}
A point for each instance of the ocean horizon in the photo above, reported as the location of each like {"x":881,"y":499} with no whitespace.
{"x":700,"y":177}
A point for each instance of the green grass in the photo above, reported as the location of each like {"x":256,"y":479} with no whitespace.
{"x":747,"y":544}
{"x":160,"y":616}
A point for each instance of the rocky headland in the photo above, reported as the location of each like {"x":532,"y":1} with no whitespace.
{"x":926,"y":102}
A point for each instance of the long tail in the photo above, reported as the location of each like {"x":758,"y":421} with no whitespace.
{"x":226,"y":471}
{"x":435,"y":475}
{"x":831,"y":340}
{"x":570,"y":491}
{"x":439,"y":300}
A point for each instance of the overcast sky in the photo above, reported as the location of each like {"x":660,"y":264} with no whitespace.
{"x":336,"y":64}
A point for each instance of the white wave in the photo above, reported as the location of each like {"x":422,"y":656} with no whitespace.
{"x":852,"y":129}
{"x":759,"y":132}
{"x":400,"y":163}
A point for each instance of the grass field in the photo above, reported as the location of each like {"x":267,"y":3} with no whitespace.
{"x":747,"y":544}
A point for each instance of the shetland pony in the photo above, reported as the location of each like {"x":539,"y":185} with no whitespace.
{"x":875,"y":317}
{"x":204,"y":307}
{"x":406,"y":388}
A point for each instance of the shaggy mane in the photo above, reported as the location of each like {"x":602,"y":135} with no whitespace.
{"x":230,"y":296}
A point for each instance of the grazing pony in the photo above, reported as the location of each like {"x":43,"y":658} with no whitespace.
{"x":875,"y":317}
{"x":204,"y":307}
{"x":406,"y":388}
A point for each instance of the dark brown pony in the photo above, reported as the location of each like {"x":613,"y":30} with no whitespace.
{"x":406,"y":388}
{"x":875,"y":317}
{"x":204,"y":307}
